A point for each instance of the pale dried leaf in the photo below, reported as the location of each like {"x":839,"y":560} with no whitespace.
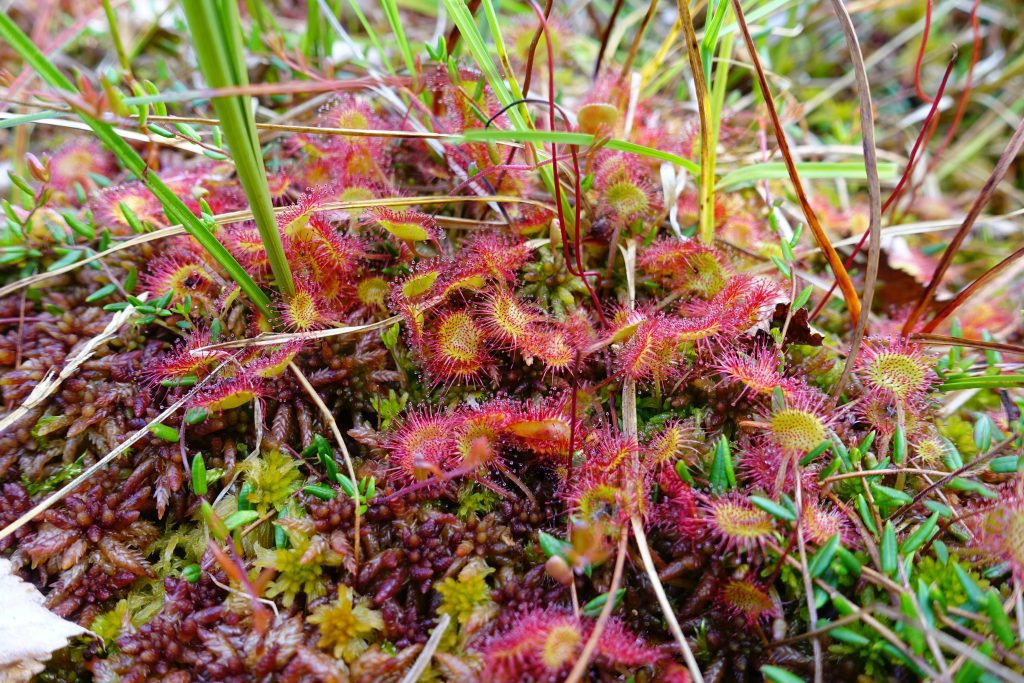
{"x":29,"y":633}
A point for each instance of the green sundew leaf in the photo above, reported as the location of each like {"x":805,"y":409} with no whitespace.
{"x":888,"y":550}
{"x":820,"y":170}
{"x":162,"y":431}
{"x":101,"y":293}
{"x":802,"y":298}
{"x":865,"y":514}
{"x":1000,"y":622}
{"x":321,"y":491}
{"x":175,"y":209}
{"x":199,"y":475}
{"x":822,"y":559}
{"x":722,"y":475}
{"x":552,"y":546}
{"x":920,"y":535}
{"x":240,"y":518}
{"x":779,"y":675}
{"x":773,"y":508}
{"x":593,"y":608}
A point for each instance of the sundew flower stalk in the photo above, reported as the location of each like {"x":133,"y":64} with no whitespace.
{"x":408,"y":350}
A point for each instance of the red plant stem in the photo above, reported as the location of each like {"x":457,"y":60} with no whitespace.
{"x":970,"y":290}
{"x":911,"y":163}
{"x":1002,"y":167}
{"x":920,"y":55}
{"x":558,"y":185}
{"x":835,"y":263}
{"x":968,"y":84}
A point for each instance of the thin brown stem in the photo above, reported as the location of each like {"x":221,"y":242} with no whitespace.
{"x":1002,"y":168}
{"x":835,"y":263}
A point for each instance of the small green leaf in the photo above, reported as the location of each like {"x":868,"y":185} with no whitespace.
{"x":552,"y":546}
{"x":888,"y":550}
{"x":240,"y":518}
{"x":821,"y":560}
{"x":213,"y":521}
{"x":196,"y":415}
{"x":865,"y":514}
{"x":983,"y":433}
{"x":773,"y":508}
{"x":199,"y":475}
{"x":162,"y":431}
{"x":192,"y":573}
{"x":850,"y":561}
{"x":1000,"y":622}
{"x":321,"y":491}
{"x":101,"y":293}
{"x":890,"y":494}
{"x":723,"y":476}
{"x":778,"y":675}
{"x":347,"y":485}
{"x":845,"y":635}
{"x":920,"y":535}
{"x":802,"y":298}
{"x":593,"y":608}
{"x":899,"y":445}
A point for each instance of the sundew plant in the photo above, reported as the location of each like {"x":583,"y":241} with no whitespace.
{"x":509,"y":341}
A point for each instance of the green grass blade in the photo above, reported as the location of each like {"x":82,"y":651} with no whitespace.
{"x":582,"y":139}
{"x":217,"y":38}
{"x":175,"y":209}
{"x":821,"y":170}
{"x":390,"y":8}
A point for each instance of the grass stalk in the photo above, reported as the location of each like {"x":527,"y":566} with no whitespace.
{"x":706,"y":229}
{"x":217,"y":37}
{"x":175,"y":209}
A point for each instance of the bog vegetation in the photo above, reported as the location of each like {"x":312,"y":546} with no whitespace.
{"x":614,"y":341}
